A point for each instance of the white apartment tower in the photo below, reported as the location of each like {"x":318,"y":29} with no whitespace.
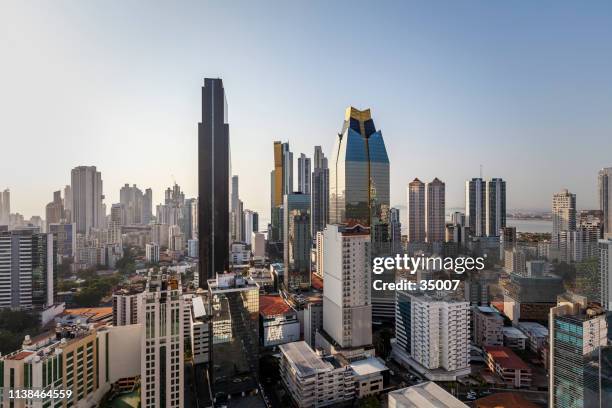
{"x":347,"y":307}
{"x":87,"y":196}
{"x":162,"y":341}
{"x":433,"y":333}
{"x":416,"y":211}
{"x":563,"y":214}
{"x":605,"y":272}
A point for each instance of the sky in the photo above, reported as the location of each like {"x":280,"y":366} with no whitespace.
{"x":522,"y":88}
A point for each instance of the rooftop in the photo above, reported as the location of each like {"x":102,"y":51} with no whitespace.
{"x":367,"y":366}
{"x":92,"y":313}
{"x":506,"y":357}
{"x":504,"y":400}
{"x":304,"y":359}
{"x":425,"y":395}
{"x":513,"y":332}
{"x":270,"y":305}
{"x":534,"y":328}
{"x":316,"y":281}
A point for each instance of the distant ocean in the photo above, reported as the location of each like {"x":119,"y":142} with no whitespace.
{"x":530,"y":225}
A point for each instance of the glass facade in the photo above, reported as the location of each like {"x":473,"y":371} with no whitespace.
{"x":213,"y":181}
{"x":297,"y":240}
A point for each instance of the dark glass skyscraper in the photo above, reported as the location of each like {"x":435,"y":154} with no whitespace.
{"x":213,"y":181}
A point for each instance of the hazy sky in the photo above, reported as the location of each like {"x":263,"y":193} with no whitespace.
{"x":523,"y":88}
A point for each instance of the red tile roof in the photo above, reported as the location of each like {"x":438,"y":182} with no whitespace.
{"x":504,"y":400}
{"x":20,"y":356}
{"x":506,"y":358}
{"x":273,"y":305}
{"x":317,"y":282}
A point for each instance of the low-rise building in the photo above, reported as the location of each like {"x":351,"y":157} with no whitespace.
{"x":313,"y":380}
{"x":200,"y":334}
{"x":368,"y":376}
{"x":513,"y":371}
{"x":487,"y":326}
{"x":514,"y":338}
{"x":537,"y":335}
{"x":279,"y":321}
{"x":424,"y":395}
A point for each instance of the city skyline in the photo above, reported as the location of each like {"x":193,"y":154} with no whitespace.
{"x":136,"y":102}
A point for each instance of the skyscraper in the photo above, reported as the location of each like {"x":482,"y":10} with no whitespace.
{"x":359,"y":174}
{"x":435,"y":207}
{"x":320,"y":192}
{"x":297,"y":240}
{"x":248,"y":223}
{"x":87,"y":198}
{"x":133,"y":202}
{"x":475,"y":206}
{"x":359,"y":191}
{"x":604,"y":183}
{"x":605,"y":273}
{"x":577,"y":332}
{"x":281,"y":180}
{"x":27,"y":261}
{"x":237,"y":216}
{"x":416,"y":211}
{"x":213,"y":181}
{"x":68,"y":203}
{"x":347,"y":307}
{"x":563,"y":215}
{"x":147,"y":206}
{"x":304,"y":174}
{"x":496,"y":206}
{"x":395,"y":230}
{"x":5,"y":207}
{"x":162,"y":341}
{"x":54,"y":211}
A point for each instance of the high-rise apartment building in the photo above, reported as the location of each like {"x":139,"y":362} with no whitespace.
{"x":496,"y":206}
{"x":433,"y":335}
{"x":237,"y":216}
{"x":347,"y":304}
{"x":64,"y":236}
{"x":416,"y":211}
{"x":5,"y":207}
{"x":88,"y":210}
{"x":125,"y":306}
{"x":605,"y":272}
{"x":132,"y":200}
{"x":54,"y":211}
{"x":304,"y":174}
{"x":604,"y":184}
{"x":27,"y":261}
{"x":213,"y":181}
{"x":234,"y":302}
{"x":162,"y":341}
{"x":563,"y":214}
{"x":248,"y":225}
{"x":435,"y":207}
{"x":475,"y":206}
{"x":147,"y":206}
{"x":297,"y":240}
{"x":395,"y":230}
{"x":68,"y":203}
{"x":577,"y":332}
{"x":320,"y":192}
